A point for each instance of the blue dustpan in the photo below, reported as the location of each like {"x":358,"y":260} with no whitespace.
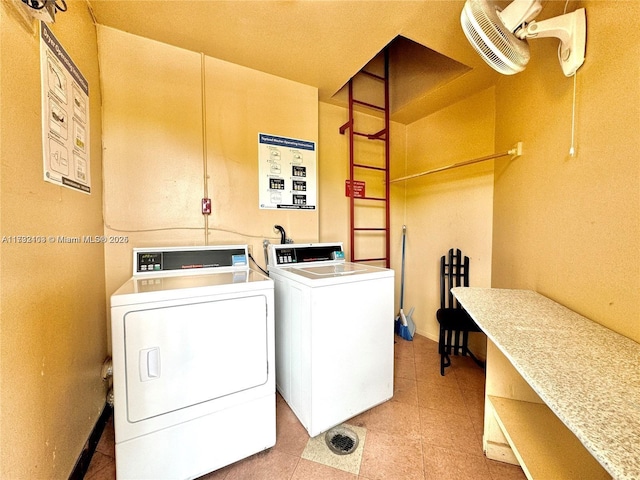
{"x":404,"y":326}
{"x":402,"y":330}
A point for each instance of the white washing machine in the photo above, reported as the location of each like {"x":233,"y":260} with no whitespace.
{"x":334,"y":333}
{"x":193,"y":362}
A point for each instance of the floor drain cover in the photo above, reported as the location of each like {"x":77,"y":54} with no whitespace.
{"x":341,"y":440}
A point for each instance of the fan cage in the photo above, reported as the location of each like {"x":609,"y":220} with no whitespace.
{"x":483,"y":28}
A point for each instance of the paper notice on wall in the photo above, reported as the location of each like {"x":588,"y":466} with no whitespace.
{"x":288,"y":173}
{"x":65,"y":116}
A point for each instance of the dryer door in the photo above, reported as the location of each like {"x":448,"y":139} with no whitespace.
{"x":182,"y":355}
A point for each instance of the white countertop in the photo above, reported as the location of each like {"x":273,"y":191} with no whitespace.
{"x":588,"y":375}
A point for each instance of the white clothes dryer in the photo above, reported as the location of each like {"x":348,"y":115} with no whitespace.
{"x":334,"y":333}
{"x":193,"y":362}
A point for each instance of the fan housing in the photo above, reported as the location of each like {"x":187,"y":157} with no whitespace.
{"x":500,"y":36}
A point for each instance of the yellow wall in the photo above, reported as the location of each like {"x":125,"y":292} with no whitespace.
{"x":53,"y":324}
{"x":153,"y":149}
{"x":569,"y":227}
{"x":333,"y":169}
{"x":450,"y":209}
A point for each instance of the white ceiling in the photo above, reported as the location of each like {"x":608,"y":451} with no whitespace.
{"x":322,"y":43}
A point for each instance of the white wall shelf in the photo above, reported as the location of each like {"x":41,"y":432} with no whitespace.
{"x":562,"y":392}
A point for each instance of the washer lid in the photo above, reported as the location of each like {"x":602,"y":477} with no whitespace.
{"x":329,"y":274}
{"x":331,"y":270}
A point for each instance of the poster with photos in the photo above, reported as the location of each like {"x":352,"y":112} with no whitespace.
{"x":65,"y":116}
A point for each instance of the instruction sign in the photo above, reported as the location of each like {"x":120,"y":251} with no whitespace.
{"x":358,"y":189}
{"x":288,"y":172}
{"x":65,"y":116}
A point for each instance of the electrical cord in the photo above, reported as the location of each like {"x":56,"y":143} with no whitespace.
{"x":256,"y":264}
{"x":572,"y":148}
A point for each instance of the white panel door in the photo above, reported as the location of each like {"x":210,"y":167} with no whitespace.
{"x":184,"y":355}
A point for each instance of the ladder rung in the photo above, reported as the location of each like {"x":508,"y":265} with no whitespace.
{"x":373,"y":75}
{"x":369,"y":136}
{"x":371,"y":229}
{"x":378,"y":199}
{"x":369,"y":105}
{"x":369,"y":259}
{"x":370,"y":167}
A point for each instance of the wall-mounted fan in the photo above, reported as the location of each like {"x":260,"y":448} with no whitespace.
{"x":500,"y":36}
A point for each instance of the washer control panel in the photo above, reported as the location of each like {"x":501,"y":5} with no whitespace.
{"x":294,"y":254}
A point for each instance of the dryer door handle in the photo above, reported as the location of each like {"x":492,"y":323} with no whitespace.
{"x":149,"y":364}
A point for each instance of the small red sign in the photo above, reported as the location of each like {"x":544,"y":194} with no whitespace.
{"x":358,"y":189}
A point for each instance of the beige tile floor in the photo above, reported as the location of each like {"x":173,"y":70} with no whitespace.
{"x":430,"y":430}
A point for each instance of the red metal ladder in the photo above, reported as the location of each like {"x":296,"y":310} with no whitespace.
{"x":358,"y":204}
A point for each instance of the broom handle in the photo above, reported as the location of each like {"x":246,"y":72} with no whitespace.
{"x":404,"y":231}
